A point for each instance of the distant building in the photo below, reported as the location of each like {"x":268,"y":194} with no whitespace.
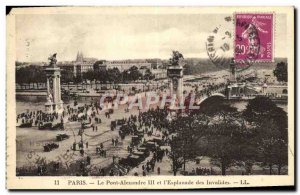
{"x":156,"y":63}
{"x":100,"y":65}
{"x":79,"y":66}
{"x":83,"y":64}
{"x":126,"y":64}
{"x":159,"y":73}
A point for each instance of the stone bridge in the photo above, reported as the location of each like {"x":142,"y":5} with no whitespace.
{"x":216,"y":93}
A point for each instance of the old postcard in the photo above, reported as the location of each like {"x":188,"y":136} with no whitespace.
{"x":150,"y":97}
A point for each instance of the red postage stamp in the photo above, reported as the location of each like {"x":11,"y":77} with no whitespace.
{"x":254,"y":37}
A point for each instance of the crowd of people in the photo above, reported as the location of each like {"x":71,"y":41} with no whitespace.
{"x":37,"y":118}
{"x":200,"y":171}
{"x":150,"y":166}
{"x":208,"y":89}
{"x":152,"y":124}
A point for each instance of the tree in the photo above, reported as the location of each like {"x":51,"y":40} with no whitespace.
{"x":247,"y":147}
{"x":134,"y":73}
{"x":270,"y":123}
{"x":272,"y":145}
{"x":148,"y":75}
{"x":67,"y":76}
{"x":101,"y":75}
{"x":281,"y":71}
{"x":223,"y":141}
{"x":78,"y":79}
{"x":89,"y":75}
{"x":226,"y":135}
{"x":113,"y":75}
{"x":231,"y":142}
{"x":216,"y":106}
{"x":176,"y":158}
{"x":258,"y":108}
{"x":185,"y":144}
{"x":188,"y":69}
{"x":30,"y":74}
{"x":262,"y":109}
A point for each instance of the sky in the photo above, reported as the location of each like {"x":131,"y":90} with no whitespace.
{"x":120,"y":36}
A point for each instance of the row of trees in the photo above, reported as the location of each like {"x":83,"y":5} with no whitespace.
{"x":36,"y":74}
{"x":114,"y":75}
{"x":30,"y":75}
{"x":230,"y":137}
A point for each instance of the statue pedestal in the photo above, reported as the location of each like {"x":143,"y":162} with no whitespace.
{"x":175,"y":73}
{"x":54,"y":102}
{"x":51,"y":107}
{"x":60,"y":107}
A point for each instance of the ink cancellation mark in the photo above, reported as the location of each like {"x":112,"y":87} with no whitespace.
{"x":218,"y":45}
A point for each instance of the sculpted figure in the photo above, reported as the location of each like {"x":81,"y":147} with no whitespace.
{"x":53,"y":60}
{"x":49,"y":98}
{"x":176,"y":56}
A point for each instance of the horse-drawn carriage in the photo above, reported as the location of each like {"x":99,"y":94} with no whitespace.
{"x":86,"y":125}
{"x":49,"y":147}
{"x":46,"y":125}
{"x":58,"y":126}
{"x":151,"y":146}
{"x":61,"y":137}
{"x":144,"y":150}
{"x":121,"y":122}
{"x":135,"y":140}
{"x":139,"y":153}
{"x":158,"y":140}
{"x":131,"y":161}
{"x":26,"y":124}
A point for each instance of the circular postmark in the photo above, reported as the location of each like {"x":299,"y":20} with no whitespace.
{"x":221,"y":48}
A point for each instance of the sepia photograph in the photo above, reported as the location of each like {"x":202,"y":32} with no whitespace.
{"x":199,"y":95}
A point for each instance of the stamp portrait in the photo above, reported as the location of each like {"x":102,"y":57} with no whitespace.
{"x":254,"y":37}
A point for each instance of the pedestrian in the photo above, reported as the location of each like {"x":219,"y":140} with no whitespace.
{"x":88,"y":160}
{"x":152,"y":165}
{"x":158,"y":170}
{"x":74,"y":146}
{"x":111,"y":173}
{"x":193,"y":172}
{"x":100,"y":170}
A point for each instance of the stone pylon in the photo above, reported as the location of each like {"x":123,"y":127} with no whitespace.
{"x":54,"y":102}
{"x":175,"y":73}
